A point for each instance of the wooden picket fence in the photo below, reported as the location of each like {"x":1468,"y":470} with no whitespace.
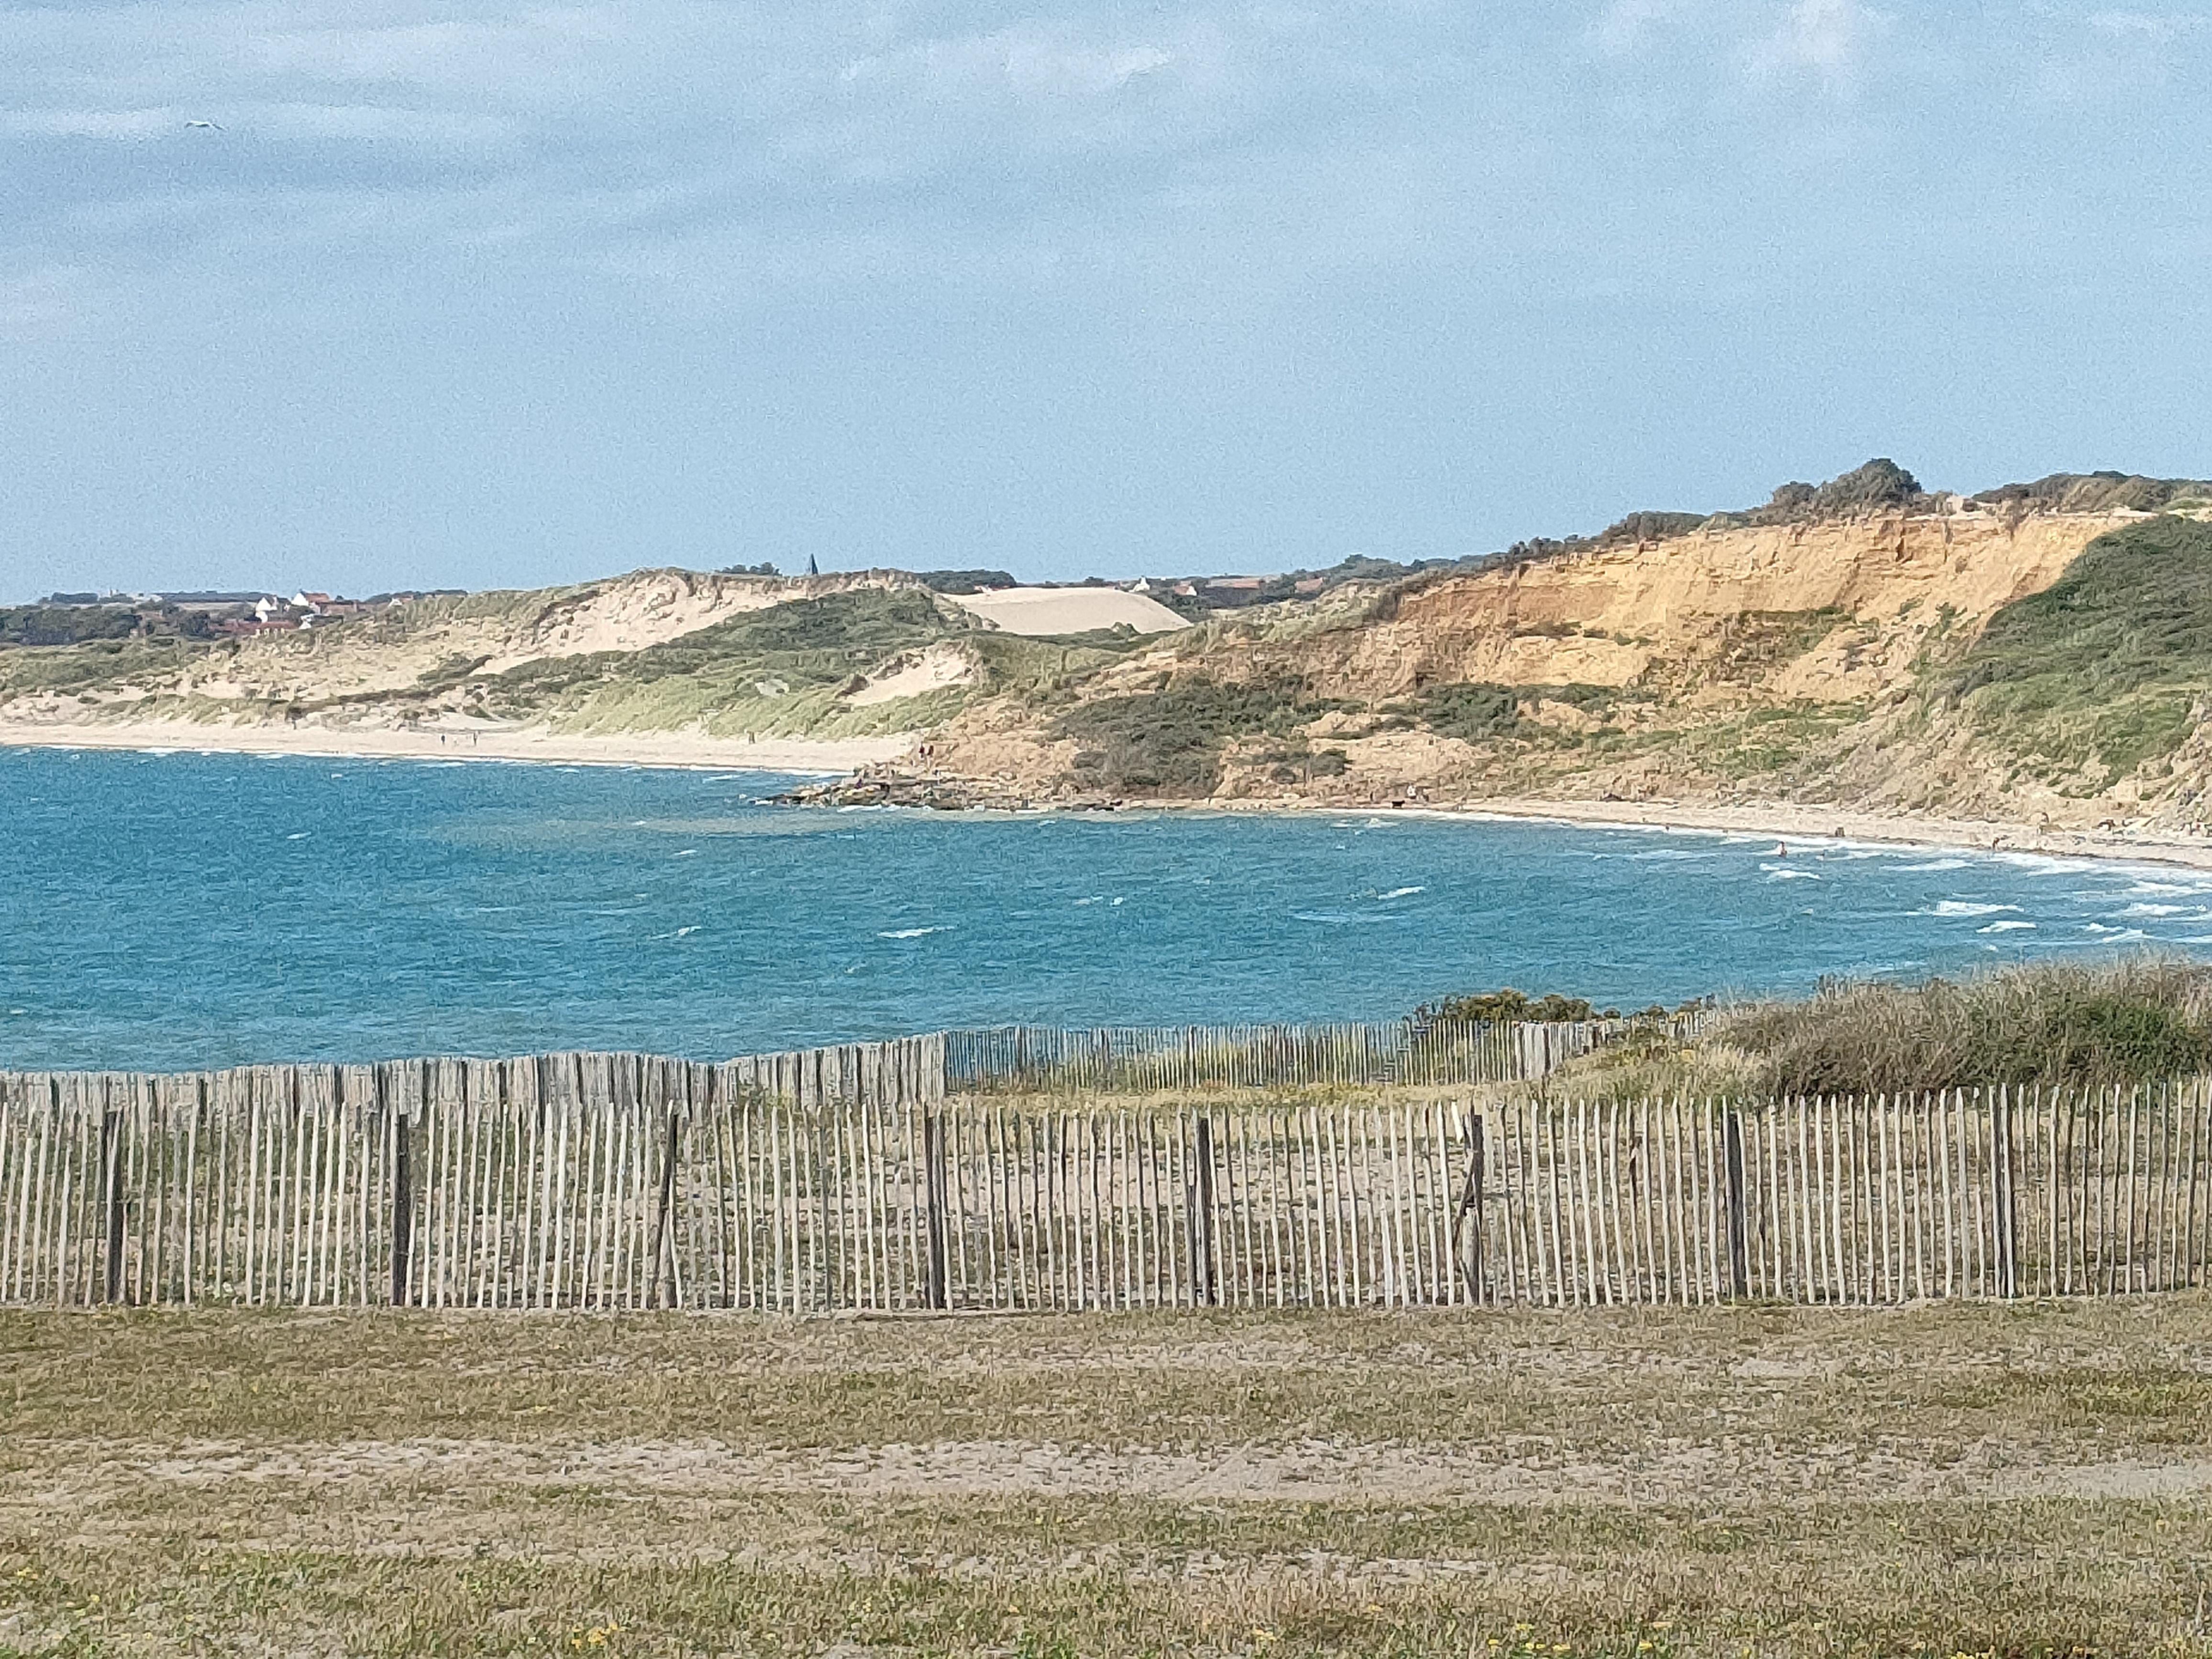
{"x":624,"y":1181}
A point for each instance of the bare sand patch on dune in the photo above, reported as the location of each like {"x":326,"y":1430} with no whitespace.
{"x":1044,"y":611}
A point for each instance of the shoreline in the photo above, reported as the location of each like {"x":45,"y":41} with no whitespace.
{"x":1786,"y":821}
{"x":460,"y":742}
{"x":1815,"y":826}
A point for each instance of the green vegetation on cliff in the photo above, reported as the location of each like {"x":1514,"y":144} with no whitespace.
{"x":2105,"y":669}
{"x":1169,"y":741}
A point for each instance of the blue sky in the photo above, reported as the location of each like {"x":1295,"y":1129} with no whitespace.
{"x":494,"y":295}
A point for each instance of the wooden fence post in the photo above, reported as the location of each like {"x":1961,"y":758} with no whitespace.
{"x":1738,"y":1265}
{"x":402,"y":1194}
{"x":664,"y":1220}
{"x":2004,"y":1200}
{"x":1204,"y":1289}
{"x":111,"y":1196}
{"x":1468,"y":1221}
{"x":936,"y":1292}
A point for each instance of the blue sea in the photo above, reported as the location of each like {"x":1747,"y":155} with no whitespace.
{"x":175,"y":910}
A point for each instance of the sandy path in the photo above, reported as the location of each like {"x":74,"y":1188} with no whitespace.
{"x":69,"y":1474}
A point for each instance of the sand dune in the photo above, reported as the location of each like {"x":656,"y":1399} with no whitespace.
{"x":1039,"y":611}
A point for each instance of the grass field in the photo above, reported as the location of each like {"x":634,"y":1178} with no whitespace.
{"x":2021,"y":1480}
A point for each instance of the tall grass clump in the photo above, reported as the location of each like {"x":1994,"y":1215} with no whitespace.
{"x":2130,"y":1021}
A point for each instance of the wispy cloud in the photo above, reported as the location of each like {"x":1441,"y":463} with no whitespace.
{"x":1825,"y":42}
{"x":1624,"y":25}
{"x":2148,"y":26}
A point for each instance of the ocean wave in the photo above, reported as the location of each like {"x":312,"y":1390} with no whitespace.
{"x":2156,"y":910}
{"x":912,"y":932}
{"x":2004,"y":927}
{"x":1935,"y":864}
{"x":1783,"y":873}
{"x":1401,"y":892}
{"x":1965,"y":908}
{"x":2159,"y":887}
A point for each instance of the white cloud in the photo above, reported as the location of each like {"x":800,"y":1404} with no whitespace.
{"x":1825,"y":41}
{"x":2158,"y":27}
{"x":1624,"y":25}
{"x":538,"y":51}
{"x":1031,"y":63}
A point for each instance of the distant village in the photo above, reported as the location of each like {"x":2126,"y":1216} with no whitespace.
{"x":78,"y":618}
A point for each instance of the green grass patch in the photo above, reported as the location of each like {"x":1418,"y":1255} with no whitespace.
{"x":2104,"y":670}
{"x":1169,"y":741}
{"x":782,"y":670}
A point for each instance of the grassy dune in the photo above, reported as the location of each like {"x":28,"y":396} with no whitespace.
{"x":1936,"y":1480}
{"x":2107,"y":669}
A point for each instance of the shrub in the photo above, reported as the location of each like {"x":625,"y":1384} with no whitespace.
{"x":2127,"y":1022}
{"x":1487,"y":1006}
{"x":1475,"y":711}
{"x":1169,"y":741}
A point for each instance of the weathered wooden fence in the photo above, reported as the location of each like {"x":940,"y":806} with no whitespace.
{"x":610,"y":1181}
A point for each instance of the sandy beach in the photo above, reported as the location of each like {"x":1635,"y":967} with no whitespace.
{"x":1805,"y":824}
{"x":474,"y":741}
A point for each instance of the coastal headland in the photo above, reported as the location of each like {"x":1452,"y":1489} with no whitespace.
{"x":2029,"y":668}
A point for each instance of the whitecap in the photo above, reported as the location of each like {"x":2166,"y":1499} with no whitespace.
{"x":1117,"y":904}
{"x":299,"y":835}
{"x":910,"y":933}
{"x":1372,"y":824}
{"x":1966,"y":908}
{"x":1936,"y":864}
{"x":1401,"y":892}
{"x":2153,"y":909}
{"x":1783,"y":872}
{"x":688,"y":852}
{"x":2004,"y":927}
{"x":686,"y":933}
{"x":1096,"y":898}
{"x":2163,"y":887}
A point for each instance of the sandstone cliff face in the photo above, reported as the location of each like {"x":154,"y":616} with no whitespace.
{"x":1726,"y":664}
{"x":1612,"y":617}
